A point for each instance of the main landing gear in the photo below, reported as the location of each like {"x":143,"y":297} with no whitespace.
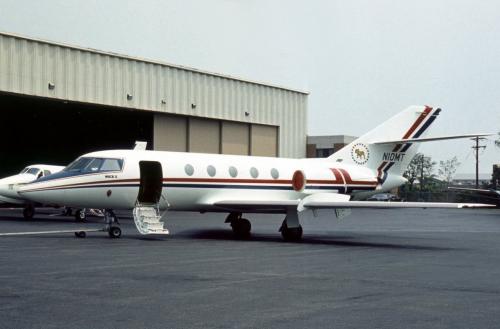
{"x":241,"y":226}
{"x":290,"y":229}
{"x":29,"y":211}
{"x":291,"y":233}
{"x":80,"y":215}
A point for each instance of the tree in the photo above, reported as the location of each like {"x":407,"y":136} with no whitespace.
{"x":420,"y":167}
{"x":448,"y":168}
{"x":495,"y":177}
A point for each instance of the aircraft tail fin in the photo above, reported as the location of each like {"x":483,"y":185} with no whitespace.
{"x":371,"y":151}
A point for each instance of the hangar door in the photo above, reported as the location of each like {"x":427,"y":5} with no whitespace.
{"x":264,"y":140}
{"x":170,"y":133}
{"x":204,"y":136}
{"x":191,"y":134}
{"x":235,"y":138}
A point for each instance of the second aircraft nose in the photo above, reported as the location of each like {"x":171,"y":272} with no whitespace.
{"x":9,"y":190}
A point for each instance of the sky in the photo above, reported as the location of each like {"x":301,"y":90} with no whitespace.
{"x":362,"y":61}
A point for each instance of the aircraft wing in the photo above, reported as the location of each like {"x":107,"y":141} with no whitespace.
{"x":389,"y":205}
{"x":480,"y":190}
{"x":429,"y":139}
{"x":332,"y":201}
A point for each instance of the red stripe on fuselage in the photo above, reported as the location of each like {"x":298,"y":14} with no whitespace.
{"x":350,"y":181}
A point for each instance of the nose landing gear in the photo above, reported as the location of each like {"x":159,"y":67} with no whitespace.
{"x":112,"y":224}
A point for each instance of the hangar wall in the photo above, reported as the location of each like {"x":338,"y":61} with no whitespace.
{"x":62,"y":72}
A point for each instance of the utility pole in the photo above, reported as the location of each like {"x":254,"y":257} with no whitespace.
{"x":422,"y":174}
{"x":476,"y":149}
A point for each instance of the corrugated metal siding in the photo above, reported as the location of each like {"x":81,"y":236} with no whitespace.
{"x":27,"y":66}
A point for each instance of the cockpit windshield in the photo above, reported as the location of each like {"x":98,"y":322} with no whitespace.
{"x":92,"y":165}
{"x":30,"y":171}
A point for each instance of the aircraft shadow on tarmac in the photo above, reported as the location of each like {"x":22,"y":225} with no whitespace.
{"x":343,"y":241}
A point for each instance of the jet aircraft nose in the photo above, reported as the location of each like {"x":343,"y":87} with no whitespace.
{"x":8,"y":190}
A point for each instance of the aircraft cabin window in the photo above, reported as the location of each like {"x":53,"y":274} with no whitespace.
{"x":254,"y":172}
{"x":275,"y":173}
{"x":233,"y":172}
{"x":211,"y":171}
{"x":189,"y":169}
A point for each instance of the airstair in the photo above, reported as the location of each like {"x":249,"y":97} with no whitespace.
{"x":148,"y":220}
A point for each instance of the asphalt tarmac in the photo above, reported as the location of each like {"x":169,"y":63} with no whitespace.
{"x":374,"y":269}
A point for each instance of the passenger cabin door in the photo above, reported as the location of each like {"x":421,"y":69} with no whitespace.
{"x":151,"y":182}
{"x":147,"y":217}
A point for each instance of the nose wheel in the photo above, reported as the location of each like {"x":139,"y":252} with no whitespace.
{"x":112,"y":224}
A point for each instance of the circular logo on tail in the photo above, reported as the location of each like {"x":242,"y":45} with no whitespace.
{"x":360,"y":153}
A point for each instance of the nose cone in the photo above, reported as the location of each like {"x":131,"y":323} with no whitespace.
{"x":7,"y":194}
{"x":9,"y":186}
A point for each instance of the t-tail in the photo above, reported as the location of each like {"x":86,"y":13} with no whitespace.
{"x":382,"y":149}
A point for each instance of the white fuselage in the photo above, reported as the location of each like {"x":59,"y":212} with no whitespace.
{"x":193,"y":182}
{"x":9,"y":185}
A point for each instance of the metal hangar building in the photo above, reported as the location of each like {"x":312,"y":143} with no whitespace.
{"x":59,"y":101}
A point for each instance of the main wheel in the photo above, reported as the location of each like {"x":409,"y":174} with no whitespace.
{"x":241,"y":227}
{"x":115,"y":232}
{"x":29,"y":212}
{"x":80,"y":215}
{"x":291,"y":234}
{"x":80,"y":234}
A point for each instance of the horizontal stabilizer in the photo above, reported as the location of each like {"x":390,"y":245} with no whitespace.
{"x":428,"y":139}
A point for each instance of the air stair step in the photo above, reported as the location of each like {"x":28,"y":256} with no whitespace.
{"x":147,"y":219}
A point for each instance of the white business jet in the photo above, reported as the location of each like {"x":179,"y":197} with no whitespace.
{"x":9,"y":185}
{"x":151,"y":181}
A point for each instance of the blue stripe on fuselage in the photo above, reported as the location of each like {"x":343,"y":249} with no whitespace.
{"x":65,"y":174}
